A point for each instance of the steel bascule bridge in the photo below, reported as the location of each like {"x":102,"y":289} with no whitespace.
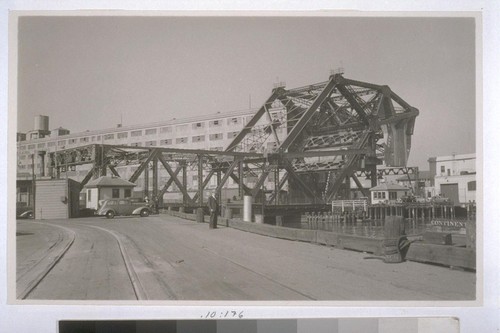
{"x":337,"y":130}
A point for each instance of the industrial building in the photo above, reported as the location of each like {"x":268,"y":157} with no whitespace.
{"x":455,"y":177}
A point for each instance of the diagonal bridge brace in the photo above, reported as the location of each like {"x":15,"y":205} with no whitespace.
{"x":169,"y":182}
{"x":308,"y":114}
{"x":152,"y":154}
{"x":175,"y":179}
{"x":348,"y":169}
{"x":288,"y":167}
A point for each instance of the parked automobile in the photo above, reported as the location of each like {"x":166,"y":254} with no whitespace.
{"x":123,"y":207}
{"x":24,"y":213}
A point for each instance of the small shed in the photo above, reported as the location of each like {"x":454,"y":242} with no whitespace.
{"x":56,"y":199}
{"x":106,"y":187}
{"x":386,"y":193}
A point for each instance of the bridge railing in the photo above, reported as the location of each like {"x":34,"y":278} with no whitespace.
{"x":350,"y":204}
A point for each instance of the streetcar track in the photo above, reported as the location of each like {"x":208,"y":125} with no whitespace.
{"x":34,"y":262}
{"x":32,"y":284}
{"x":139,"y":290}
{"x":154,"y":268}
{"x":260,"y":274}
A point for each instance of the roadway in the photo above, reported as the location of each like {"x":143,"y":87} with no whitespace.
{"x":167,"y":258}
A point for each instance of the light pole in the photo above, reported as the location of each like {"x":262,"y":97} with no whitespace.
{"x":33,"y":186}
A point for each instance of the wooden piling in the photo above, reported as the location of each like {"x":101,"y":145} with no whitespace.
{"x":393,"y":233}
{"x":470,"y":233}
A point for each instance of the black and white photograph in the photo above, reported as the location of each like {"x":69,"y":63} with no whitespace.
{"x":246,"y":158}
{"x":263,"y":166}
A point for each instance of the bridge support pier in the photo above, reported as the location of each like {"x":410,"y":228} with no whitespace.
{"x":200,"y":218}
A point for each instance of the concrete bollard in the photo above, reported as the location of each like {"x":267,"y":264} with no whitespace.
{"x":228,"y":213}
{"x":247,"y":208}
{"x":200,"y":216}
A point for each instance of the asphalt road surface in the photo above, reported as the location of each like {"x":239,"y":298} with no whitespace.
{"x":167,"y":258}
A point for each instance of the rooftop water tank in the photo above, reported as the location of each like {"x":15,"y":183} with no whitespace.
{"x":41,"y":123}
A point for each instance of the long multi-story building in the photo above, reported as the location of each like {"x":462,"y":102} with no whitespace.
{"x":210,"y":132}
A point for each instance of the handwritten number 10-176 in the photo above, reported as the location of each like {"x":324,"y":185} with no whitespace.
{"x":227,"y":314}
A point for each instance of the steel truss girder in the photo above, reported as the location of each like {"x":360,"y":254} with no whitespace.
{"x":226,"y":175}
{"x":254,"y":120}
{"x":340,"y":138}
{"x":307,"y":115}
{"x":355,"y":102}
{"x":300,"y":182}
{"x":348,"y":168}
{"x":296,"y":99}
{"x":281,"y":184}
{"x":363,"y":190}
{"x":318,"y":166}
{"x":316,"y":117}
{"x":143,"y":166}
{"x":388,"y":171}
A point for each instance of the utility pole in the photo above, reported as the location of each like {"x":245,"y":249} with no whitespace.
{"x":33,"y":186}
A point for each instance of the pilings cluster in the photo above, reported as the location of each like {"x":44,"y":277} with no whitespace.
{"x":328,"y":221}
{"x":414,"y":211}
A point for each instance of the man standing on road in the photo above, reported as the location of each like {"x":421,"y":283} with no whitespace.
{"x":213,"y":205}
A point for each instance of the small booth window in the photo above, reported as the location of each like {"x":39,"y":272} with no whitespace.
{"x":115,"y":193}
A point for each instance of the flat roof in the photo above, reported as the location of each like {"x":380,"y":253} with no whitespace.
{"x":170,"y":122}
{"x":389,"y":187}
{"x":106,"y":181}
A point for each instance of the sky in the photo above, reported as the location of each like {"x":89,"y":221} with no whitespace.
{"x":89,"y":73}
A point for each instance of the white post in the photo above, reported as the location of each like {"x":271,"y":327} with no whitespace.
{"x":247,"y":208}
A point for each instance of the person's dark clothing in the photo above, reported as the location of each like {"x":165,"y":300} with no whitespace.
{"x":213,"y":205}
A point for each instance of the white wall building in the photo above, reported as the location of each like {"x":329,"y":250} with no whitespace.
{"x":104,"y":188}
{"x":387,"y":193}
{"x":455,"y":177}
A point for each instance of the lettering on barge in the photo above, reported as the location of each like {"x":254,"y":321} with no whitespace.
{"x":449,"y":223}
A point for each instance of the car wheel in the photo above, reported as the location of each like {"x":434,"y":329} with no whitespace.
{"x":145,"y":212}
{"x":30,"y":215}
{"x":110,"y":214}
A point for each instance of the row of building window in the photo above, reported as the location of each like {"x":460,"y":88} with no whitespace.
{"x":124,"y":135}
{"x":381,"y":195}
{"x":198,"y":138}
{"x":151,"y":131}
